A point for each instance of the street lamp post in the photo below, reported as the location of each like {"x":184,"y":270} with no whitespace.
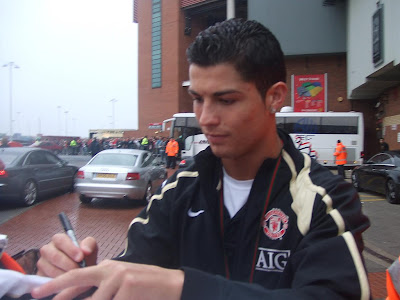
{"x":59,"y":119}
{"x":113,"y":111}
{"x":11,"y":65}
{"x":66,"y":122}
{"x":18,"y":122}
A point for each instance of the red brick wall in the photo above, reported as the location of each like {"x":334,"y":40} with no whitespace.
{"x":334,"y":66}
{"x":158,"y":104}
{"x":371,"y":135}
{"x":392,"y":116}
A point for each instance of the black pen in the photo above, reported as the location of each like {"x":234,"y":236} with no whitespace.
{"x":70,"y":232}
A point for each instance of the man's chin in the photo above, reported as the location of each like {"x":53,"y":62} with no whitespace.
{"x":221,"y":151}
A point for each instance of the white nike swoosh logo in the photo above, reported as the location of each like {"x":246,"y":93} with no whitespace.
{"x":194,"y":214}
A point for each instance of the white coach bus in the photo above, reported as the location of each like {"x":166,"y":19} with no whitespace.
{"x":314,"y":133}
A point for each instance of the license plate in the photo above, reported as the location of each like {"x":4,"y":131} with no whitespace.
{"x":106,"y":175}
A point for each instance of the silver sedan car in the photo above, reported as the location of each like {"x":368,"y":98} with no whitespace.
{"x":120,"y":173}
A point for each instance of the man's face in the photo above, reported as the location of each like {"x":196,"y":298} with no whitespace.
{"x":230,"y":111}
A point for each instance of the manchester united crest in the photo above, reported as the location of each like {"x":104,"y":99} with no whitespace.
{"x":275,"y":224}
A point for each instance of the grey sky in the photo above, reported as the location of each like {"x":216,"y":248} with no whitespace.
{"x":74,"y":56}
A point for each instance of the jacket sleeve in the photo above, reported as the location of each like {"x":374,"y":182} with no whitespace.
{"x":327,"y":263}
{"x":150,"y":238}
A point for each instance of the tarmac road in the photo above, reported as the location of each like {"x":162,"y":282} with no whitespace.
{"x":382,"y":239}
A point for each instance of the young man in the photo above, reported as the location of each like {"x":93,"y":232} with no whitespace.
{"x":252,"y":218}
{"x":383,"y":145}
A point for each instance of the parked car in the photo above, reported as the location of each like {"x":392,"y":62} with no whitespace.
{"x":381,"y":174}
{"x":26,"y":173}
{"x":120,"y":173}
{"x":53,"y":147}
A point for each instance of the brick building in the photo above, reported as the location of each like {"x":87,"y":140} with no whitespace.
{"x":315,"y":40}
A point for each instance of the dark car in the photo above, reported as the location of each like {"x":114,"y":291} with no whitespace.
{"x":381,"y":174}
{"x":53,"y":147}
{"x":26,"y":173}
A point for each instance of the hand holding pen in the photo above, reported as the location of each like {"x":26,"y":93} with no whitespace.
{"x":71,"y":233}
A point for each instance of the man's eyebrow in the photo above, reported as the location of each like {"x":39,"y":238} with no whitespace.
{"x":216,"y":94}
{"x":190,"y":91}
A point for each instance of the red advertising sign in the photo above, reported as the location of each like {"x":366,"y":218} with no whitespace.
{"x":309,"y":93}
{"x":155,"y":125}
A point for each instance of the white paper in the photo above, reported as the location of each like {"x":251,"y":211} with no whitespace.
{"x":16,"y":284}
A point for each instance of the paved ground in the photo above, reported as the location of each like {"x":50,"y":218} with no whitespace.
{"x":108,"y":223}
{"x":104,"y":220}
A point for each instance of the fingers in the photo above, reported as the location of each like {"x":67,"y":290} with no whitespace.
{"x":71,"y":284}
{"x":90,"y":250}
{"x":61,"y":255}
{"x":116,"y":280}
{"x":55,"y":257}
{"x":72,"y":293}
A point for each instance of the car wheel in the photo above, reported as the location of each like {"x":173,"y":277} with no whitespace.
{"x":56,"y":152}
{"x":29,"y":193}
{"x":356,"y":181}
{"x":147,"y":194}
{"x":391,"y":194}
{"x":84,"y":199}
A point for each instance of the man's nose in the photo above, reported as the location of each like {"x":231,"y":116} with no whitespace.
{"x":209,"y":115}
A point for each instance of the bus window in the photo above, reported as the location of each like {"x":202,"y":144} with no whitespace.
{"x":300,"y":124}
{"x":339,"y":125}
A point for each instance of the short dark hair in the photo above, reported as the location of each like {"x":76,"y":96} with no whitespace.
{"x":248,"y":45}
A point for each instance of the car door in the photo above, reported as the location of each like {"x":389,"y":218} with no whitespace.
{"x":375,"y":171}
{"x":159,"y":173}
{"x":60,"y":175}
{"x":37,"y":165}
{"x":152,"y":171}
{"x":381,"y":172}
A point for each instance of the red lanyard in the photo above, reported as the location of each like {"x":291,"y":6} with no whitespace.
{"x":221,"y":209}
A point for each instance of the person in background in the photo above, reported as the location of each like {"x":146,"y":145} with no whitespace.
{"x":94,"y":147}
{"x":341,"y":157}
{"x":73,"y":147}
{"x":171,"y":150}
{"x":4,"y":142}
{"x":145,"y":143}
{"x":163,"y":146}
{"x":384,"y":146}
{"x":251,"y":218}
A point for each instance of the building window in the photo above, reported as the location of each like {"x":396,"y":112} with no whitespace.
{"x":156,"y":44}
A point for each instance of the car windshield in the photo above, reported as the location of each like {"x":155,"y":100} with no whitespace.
{"x":114,"y":159}
{"x":8,"y":157}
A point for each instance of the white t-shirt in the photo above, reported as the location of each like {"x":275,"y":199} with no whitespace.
{"x":236,"y":193}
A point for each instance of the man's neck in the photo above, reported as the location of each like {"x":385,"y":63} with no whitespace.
{"x":246,"y":167}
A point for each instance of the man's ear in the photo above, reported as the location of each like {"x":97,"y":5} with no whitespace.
{"x":275,"y":96}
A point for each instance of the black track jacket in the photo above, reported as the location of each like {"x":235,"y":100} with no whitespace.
{"x":297,"y":237}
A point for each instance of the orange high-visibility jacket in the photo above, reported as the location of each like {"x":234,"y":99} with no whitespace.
{"x":341,"y":154}
{"x":393,"y":281}
{"x":172,"y":148}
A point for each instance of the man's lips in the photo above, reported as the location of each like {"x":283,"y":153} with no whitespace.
{"x":216,"y":138}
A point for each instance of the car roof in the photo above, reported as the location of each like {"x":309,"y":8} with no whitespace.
{"x":393,"y":152}
{"x":125,"y":151}
{"x":19,"y":150}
